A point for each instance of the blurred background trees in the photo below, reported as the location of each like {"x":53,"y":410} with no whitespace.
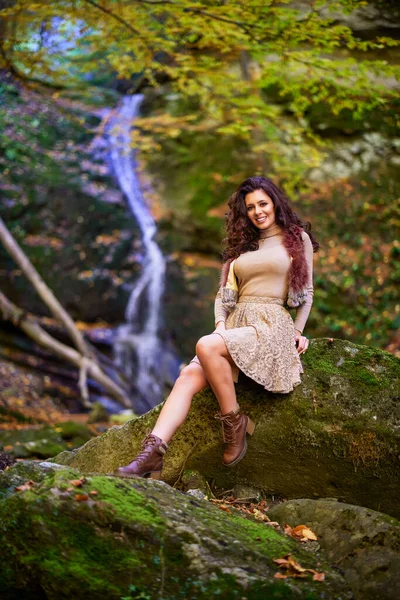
{"x":303,"y":92}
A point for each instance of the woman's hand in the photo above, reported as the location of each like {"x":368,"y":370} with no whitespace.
{"x":301,"y":342}
{"x":220,"y":326}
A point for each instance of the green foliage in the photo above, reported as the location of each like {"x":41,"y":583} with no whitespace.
{"x":357,"y":273}
{"x":224,"y":57}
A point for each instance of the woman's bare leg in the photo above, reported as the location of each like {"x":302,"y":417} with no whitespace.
{"x":216,"y":362}
{"x":190,"y":381}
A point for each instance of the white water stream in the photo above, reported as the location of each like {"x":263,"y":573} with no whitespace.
{"x":138,"y":350}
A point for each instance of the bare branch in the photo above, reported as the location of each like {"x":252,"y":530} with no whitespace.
{"x":31,"y":327}
{"x":41,"y":287}
{"x":114,"y":16}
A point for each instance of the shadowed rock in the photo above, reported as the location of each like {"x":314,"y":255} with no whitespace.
{"x":363,"y":543}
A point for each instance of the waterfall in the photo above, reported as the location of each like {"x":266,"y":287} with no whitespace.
{"x":138,"y":350}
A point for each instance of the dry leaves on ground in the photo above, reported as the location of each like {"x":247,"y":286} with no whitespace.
{"x":81,"y":497}
{"x":300,"y":532}
{"x":78,"y":482}
{"x":294,"y":569}
{"x":25,"y":486}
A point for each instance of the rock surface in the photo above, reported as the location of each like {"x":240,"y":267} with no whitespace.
{"x":336,"y":435}
{"x":363,"y":543}
{"x":110,"y":538}
{"x":44,"y":441}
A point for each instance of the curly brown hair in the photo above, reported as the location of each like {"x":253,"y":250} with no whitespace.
{"x":242,"y":235}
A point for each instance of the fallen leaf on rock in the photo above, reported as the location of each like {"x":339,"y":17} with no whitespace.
{"x":225,"y":508}
{"x":260,"y":515}
{"x":301,"y":532}
{"x":81,"y":497}
{"x":78,"y":482}
{"x":93,"y":492}
{"x":25,"y":486}
{"x":317,"y":576}
{"x":294,"y":569}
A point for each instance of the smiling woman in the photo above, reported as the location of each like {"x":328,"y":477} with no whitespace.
{"x":268,"y":265}
{"x":260,"y":209}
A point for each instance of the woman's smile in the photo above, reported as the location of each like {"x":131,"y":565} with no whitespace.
{"x":260,"y":209}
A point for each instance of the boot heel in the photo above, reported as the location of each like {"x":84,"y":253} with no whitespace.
{"x":155,"y":475}
{"x":250,"y":426}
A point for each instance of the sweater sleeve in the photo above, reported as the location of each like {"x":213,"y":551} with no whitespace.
{"x":303,"y":311}
{"x":220,"y":311}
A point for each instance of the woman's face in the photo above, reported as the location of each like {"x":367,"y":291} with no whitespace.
{"x":260,"y":209}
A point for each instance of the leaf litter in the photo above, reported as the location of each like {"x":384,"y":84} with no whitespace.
{"x":301,"y":533}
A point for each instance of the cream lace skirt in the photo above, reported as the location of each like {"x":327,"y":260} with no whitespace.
{"x":260,"y":338}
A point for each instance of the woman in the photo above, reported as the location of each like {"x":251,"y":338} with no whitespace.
{"x":268,"y":261}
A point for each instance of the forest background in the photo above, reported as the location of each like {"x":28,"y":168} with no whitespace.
{"x":303,"y":92}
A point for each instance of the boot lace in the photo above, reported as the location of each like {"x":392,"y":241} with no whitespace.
{"x":228,"y":429}
{"x":147,"y":447}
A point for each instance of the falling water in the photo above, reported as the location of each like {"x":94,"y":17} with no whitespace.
{"x":137,"y":347}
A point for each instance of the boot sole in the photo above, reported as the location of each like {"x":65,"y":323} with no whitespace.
{"x":250,"y":430}
{"x":150,"y":475}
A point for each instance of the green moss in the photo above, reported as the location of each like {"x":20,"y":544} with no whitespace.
{"x":126,"y":502}
{"x":261,"y":536}
{"x":83,"y":556}
{"x":355,"y":363}
{"x":69,"y":430}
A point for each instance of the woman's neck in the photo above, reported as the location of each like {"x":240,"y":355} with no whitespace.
{"x":270,"y":232}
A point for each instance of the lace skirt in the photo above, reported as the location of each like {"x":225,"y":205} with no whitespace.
{"x":260,"y":337}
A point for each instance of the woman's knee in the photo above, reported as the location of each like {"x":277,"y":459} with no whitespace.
{"x":193,"y":374}
{"x":206,"y":345}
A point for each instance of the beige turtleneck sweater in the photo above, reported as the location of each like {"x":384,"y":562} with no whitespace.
{"x":265,"y":272}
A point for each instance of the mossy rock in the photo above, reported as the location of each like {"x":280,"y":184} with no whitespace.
{"x":74,"y":433}
{"x":336,"y":435}
{"x":98,"y":414}
{"x":44,"y":441}
{"x":363,"y":543}
{"x":142,"y":539}
{"x":23,"y":471}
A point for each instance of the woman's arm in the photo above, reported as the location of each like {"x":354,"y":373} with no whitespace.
{"x":304,"y":310}
{"x":220,"y":312}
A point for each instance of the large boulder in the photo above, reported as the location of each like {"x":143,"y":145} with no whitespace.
{"x":336,"y":435}
{"x":363,"y":543}
{"x":102,"y":537}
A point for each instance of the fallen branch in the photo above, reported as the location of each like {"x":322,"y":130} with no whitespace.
{"x":83,"y":383}
{"x":15,"y":251}
{"x":28,"y":324}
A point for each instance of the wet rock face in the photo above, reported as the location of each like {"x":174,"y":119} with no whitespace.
{"x":363,"y":543}
{"x":336,"y":435}
{"x":102,"y":537}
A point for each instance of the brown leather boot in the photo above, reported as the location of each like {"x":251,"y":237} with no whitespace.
{"x":148,"y":463}
{"x":234,"y":428}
